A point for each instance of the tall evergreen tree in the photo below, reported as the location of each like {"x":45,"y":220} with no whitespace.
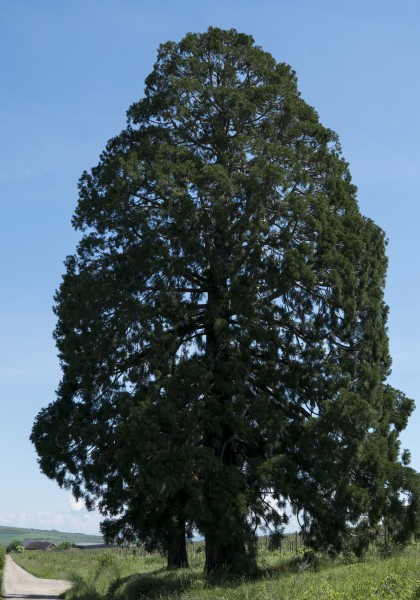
{"x":222,"y":328}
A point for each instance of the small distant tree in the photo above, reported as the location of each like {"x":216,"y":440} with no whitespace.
{"x":15,"y":546}
{"x":65,"y":546}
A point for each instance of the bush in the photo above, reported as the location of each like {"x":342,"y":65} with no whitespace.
{"x":394,"y":586}
{"x":83,"y":589}
{"x":106,"y":559}
{"x":1,"y":557}
{"x":65,"y":546}
{"x":14,"y":546}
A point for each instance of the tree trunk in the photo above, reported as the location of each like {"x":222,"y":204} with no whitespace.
{"x":226,"y":549}
{"x":227,"y":556}
{"x":216,"y":557}
{"x":177,"y":548}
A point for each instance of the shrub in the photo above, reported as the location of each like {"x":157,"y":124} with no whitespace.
{"x":14,"y":546}
{"x":394,"y":587}
{"x":65,"y":546}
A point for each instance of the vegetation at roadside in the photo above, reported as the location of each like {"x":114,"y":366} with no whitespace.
{"x":124,"y":575}
{"x":8,"y":534}
{"x":15,"y":546}
{"x":1,"y":566}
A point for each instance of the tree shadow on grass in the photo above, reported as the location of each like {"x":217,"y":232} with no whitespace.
{"x":163,"y":582}
{"x":151,"y":585}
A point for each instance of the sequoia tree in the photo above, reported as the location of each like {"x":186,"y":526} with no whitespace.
{"x":221,"y":327}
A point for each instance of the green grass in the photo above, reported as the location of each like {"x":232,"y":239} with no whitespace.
{"x":1,"y":567}
{"x":100,"y":574}
{"x":7,"y":534}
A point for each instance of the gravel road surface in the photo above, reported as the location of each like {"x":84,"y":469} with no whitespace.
{"x":18,"y":583}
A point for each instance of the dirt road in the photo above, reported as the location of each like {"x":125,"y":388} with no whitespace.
{"x":18,"y":583}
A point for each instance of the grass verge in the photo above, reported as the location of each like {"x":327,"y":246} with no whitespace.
{"x":100,"y":575}
{"x":1,"y":568}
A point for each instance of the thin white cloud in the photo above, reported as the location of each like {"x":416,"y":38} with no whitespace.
{"x":21,"y":172}
{"x":11,"y":372}
{"x":76,"y":505}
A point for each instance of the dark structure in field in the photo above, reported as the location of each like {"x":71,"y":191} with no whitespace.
{"x":39,"y":546}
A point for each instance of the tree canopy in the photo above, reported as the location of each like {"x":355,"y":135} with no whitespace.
{"x":222,"y":327}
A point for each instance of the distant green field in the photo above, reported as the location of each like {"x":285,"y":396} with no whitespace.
{"x":7,"y":534}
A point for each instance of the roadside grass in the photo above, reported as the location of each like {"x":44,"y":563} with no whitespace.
{"x":100,"y":575}
{"x":1,"y":567}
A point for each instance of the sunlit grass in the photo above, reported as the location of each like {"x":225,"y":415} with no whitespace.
{"x":283,"y":577}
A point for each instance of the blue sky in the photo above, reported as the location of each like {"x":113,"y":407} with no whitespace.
{"x":70,"y":70}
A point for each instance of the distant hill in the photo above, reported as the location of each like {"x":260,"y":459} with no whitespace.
{"x":7,"y":534}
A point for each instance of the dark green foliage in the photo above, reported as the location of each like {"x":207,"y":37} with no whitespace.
{"x":222,"y":329}
{"x":65,"y":546}
{"x":14,"y":546}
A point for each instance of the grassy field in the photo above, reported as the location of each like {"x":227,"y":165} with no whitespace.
{"x":7,"y":534}
{"x":124,"y":576}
